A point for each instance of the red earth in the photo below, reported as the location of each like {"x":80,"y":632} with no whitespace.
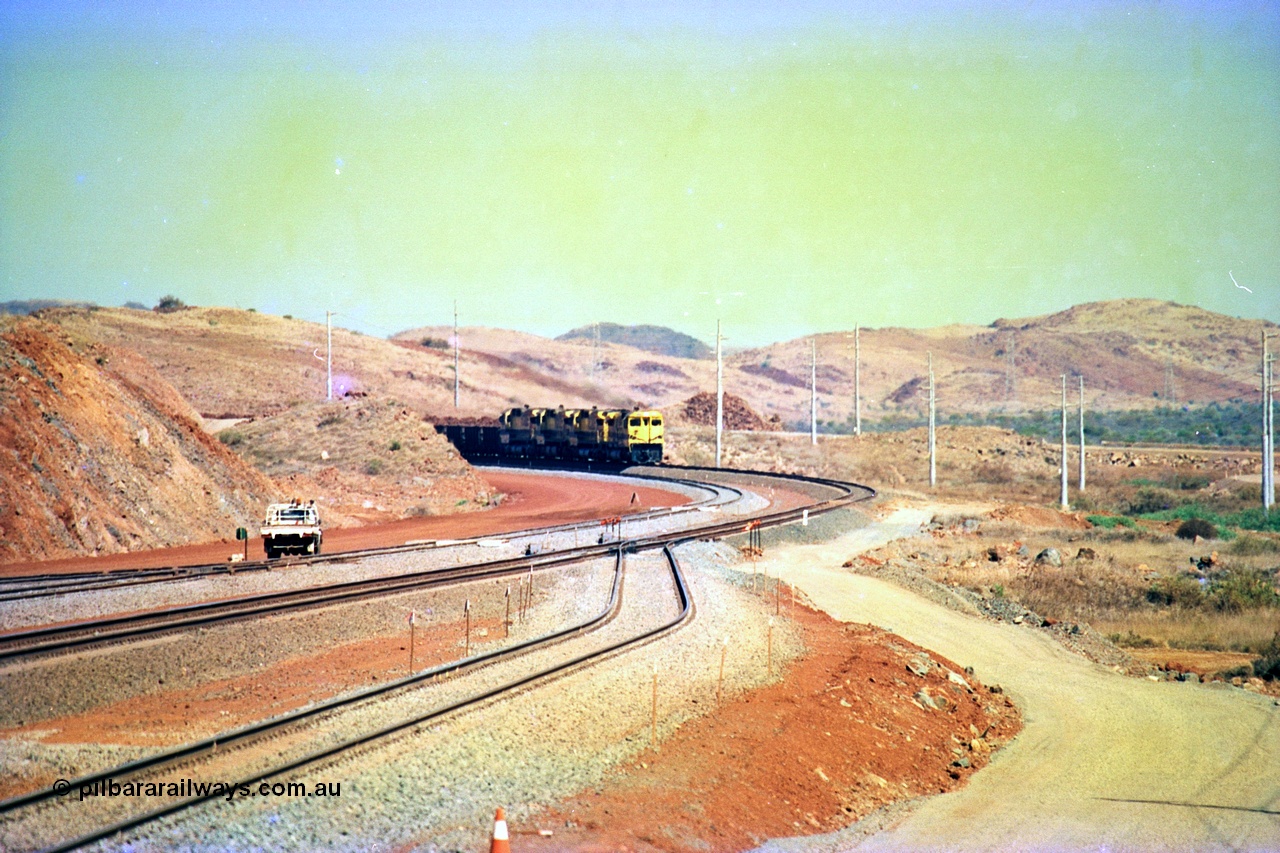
{"x":532,"y":500}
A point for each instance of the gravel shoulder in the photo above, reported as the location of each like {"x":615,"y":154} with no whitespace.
{"x":1104,"y":761}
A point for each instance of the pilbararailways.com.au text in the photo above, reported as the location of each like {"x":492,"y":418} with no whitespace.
{"x":192,"y":788}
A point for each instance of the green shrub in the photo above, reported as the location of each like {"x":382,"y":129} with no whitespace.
{"x":1109,"y":522}
{"x":1193,"y":527}
{"x":1236,"y":591}
{"x":373,"y":467}
{"x":395,"y":445}
{"x":1178,"y":591}
{"x":169,"y":304}
{"x":1150,"y":499}
{"x":1253,"y":546}
{"x":1268,"y":665}
{"x":231,"y":437}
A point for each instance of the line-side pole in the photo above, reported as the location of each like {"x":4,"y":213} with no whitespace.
{"x":328,"y":362}
{"x":857,"y":381}
{"x":719,"y":395}
{"x":456,"y":378}
{"x":933,"y":444}
{"x":813,"y":390}
{"x":1063,"y":496}
{"x":1082,"y":434}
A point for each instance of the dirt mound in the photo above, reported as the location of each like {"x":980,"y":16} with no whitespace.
{"x":1037,"y":516}
{"x":701,"y":409}
{"x":364,"y":459}
{"x":104,"y":456}
{"x":708,"y":787}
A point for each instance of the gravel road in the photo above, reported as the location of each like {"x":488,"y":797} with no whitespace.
{"x":1105,"y":762}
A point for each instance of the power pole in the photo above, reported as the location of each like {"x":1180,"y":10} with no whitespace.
{"x":719,"y":394}
{"x":933,"y":445}
{"x":1082,"y":434}
{"x":1268,"y":431}
{"x":857,"y":382}
{"x":1064,"y":442}
{"x":1010,"y":366}
{"x":456,"y":376}
{"x":328,"y":362}
{"x":813,"y":390}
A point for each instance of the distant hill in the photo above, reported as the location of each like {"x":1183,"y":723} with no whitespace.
{"x":658,"y":340}
{"x":30,"y":306}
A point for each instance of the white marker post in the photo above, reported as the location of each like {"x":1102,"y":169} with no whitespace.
{"x":769,"y":649}
{"x":724,"y":650}
{"x":413,"y":619}
{"x":506,"y":621}
{"x":466,"y":611}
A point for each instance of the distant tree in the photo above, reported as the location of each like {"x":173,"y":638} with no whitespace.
{"x":169,"y":304}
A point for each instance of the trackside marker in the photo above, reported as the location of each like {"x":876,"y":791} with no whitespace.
{"x":501,"y":843}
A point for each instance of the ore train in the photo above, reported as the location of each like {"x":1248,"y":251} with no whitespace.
{"x":569,"y":435}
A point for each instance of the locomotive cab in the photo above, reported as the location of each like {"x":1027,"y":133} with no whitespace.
{"x":645,"y":436}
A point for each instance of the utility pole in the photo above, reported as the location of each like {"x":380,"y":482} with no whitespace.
{"x":1268,"y":432}
{"x":1064,"y":442}
{"x":719,"y":395}
{"x":456,"y":377}
{"x":933,"y":445}
{"x":857,"y":381}
{"x":1010,"y":366}
{"x":328,"y":362}
{"x":1082,"y":434}
{"x":813,"y":390}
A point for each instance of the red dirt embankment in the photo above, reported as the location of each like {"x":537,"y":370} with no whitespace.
{"x":845,"y":733}
{"x":533,"y":500}
{"x":103,"y":455}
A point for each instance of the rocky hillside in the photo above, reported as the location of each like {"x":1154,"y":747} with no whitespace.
{"x":368,"y":460}
{"x":658,"y":340}
{"x":101,"y":455}
{"x":1132,"y":353}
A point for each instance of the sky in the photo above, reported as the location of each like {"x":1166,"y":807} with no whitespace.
{"x":788,"y":168}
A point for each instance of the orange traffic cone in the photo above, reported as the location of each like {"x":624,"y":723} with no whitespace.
{"x":500,"y":844}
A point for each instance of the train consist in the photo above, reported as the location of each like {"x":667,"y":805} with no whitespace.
{"x":570,"y":435}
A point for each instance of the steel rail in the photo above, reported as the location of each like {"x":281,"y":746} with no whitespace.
{"x":245,"y":734}
{"x":22,"y":587}
{"x":136,"y":626}
{"x":846,"y":494}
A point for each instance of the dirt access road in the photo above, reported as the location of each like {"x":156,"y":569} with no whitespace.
{"x":1105,"y":762}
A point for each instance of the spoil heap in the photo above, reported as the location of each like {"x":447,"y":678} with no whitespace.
{"x":701,"y":409}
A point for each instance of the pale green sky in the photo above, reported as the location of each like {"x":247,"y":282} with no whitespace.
{"x":838,"y":165}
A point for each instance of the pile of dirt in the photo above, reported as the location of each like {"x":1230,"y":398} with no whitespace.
{"x":700,"y":409}
{"x":863,"y":720}
{"x":103,"y":456}
{"x":1038,"y":516}
{"x":363,"y":459}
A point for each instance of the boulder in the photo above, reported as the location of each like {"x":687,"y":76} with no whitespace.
{"x":1049,"y":556}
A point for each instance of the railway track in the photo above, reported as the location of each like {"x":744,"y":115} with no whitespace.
{"x":43,"y":805}
{"x":25,"y":587}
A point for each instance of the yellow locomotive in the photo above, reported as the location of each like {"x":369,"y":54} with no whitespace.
{"x":571,"y":435}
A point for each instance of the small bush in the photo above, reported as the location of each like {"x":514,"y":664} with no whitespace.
{"x":395,"y":445}
{"x":327,"y":420}
{"x":169,"y":304}
{"x":1268,"y":665}
{"x":435,"y":343}
{"x":1109,"y":522}
{"x":1244,"y":590}
{"x":1179,"y":591}
{"x":1150,"y":499}
{"x":373,"y":467}
{"x":231,"y":437}
{"x":1193,"y":527}
{"x":1253,"y":546}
